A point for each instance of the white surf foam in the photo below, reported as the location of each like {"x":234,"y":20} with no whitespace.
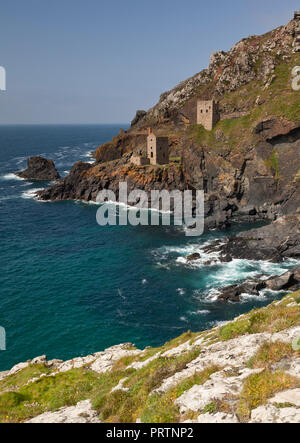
{"x":200,"y":312}
{"x":11,"y":176}
{"x":246,"y":297}
{"x":31,"y":193}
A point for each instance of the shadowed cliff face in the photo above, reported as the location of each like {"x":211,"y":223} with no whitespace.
{"x":248,"y":165}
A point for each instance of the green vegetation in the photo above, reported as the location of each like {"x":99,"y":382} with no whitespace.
{"x":279,"y":100}
{"x":273,"y":164}
{"x":259,"y":387}
{"x":161,"y":408}
{"x":51,"y":393}
{"x":121,"y":406}
{"x":272,"y":319}
{"x":22,"y":399}
{"x":175,"y":159}
{"x":270,"y":353}
{"x":23,"y":377}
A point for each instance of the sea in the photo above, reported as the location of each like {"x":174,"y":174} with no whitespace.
{"x":69,"y":287}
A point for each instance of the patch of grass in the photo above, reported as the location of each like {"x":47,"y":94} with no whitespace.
{"x":161,"y":408}
{"x":258,"y":388}
{"x":22,"y":377}
{"x":272,"y":163}
{"x":211,"y":408}
{"x":185,"y":337}
{"x":270,"y":319}
{"x":51,"y":393}
{"x":270,"y":353}
{"x":126,"y":407}
{"x":121,"y":365}
{"x":189,"y":416}
{"x":175,"y":159}
{"x":217,"y":406}
{"x":234,"y":329}
{"x":284,"y":405}
{"x":179,"y":340}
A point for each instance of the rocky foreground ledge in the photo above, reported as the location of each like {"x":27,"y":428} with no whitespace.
{"x":247,"y":370}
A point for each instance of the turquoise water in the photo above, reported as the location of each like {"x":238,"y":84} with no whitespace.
{"x":69,"y":287}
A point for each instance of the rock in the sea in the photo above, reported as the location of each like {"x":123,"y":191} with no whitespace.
{"x":289,"y":281}
{"x":282,"y":282}
{"x":193,"y":257}
{"x":39,"y":168}
{"x":232,"y":293}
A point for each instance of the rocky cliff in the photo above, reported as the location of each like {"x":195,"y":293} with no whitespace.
{"x":249,"y":165}
{"x":247,"y":370}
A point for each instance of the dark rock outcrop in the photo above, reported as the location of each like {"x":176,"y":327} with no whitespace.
{"x":289,"y":281}
{"x":39,"y":168}
{"x":193,"y":257}
{"x":274,"y":242}
{"x":138,"y":116}
{"x":232,"y":293}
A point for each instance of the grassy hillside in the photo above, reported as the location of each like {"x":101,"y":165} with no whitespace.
{"x":35,"y":390}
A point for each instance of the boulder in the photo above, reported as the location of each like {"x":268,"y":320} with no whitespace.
{"x":290,"y":280}
{"x":193,"y":257}
{"x":232,"y":293}
{"x":83,"y":412}
{"x":39,"y":168}
{"x":280,"y":282}
{"x":272,"y":414}
{"x":42,"y":360}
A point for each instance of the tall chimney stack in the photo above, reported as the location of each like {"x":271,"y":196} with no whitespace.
{"x":149,"y":131}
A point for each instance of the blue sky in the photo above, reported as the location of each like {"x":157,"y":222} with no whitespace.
{"x":94,"y":61}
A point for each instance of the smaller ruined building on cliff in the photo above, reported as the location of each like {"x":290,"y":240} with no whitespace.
{"x":207,"y":113}
{"x":157,"y":151}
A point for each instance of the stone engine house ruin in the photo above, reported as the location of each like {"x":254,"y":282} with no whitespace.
{"x":157,"y":151}
{"x":207,"y":113}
